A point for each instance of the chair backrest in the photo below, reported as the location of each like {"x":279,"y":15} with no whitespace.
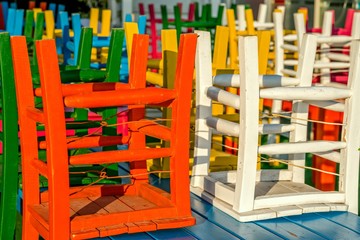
{"x":9,"y":163}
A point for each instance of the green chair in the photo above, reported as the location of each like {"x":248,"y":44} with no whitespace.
{"x":9,"y":159}
{"x":203,"y":22}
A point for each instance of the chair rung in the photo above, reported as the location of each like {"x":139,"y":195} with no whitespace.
{"x":120,"y":156}
{"x":119,"y":97}
{"x":153,"y":129}
{"x":71,"y":89}
{"x":92,"y":141}
{"x":301,"y":147}
{"x":40,"y":166}
{"x":35,"y":114}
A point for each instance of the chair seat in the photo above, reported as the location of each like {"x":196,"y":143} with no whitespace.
{"x":113,"y":210}
{"x":272,"y":198}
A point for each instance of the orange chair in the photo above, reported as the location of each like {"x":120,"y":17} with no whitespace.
{"x":65,"y":212}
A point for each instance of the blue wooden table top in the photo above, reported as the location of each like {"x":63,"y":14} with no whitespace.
{"x":212,"y":223}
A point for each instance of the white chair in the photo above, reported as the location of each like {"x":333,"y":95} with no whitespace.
{"x":249,"y":194}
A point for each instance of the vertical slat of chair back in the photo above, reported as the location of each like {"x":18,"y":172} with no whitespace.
{"x":220,"y":49}
{"x":19,"y":22}
{"x":137,"y":79}
{"x":84,"y":48}
{"x":113,"y":69}
{"x":203,"y":108}
{"x":56,"y":156}
{"x":50,"y":24}
{"x":105,"y":23}
{"x":349,"y":167}
{"x":9,"y":139}
{"x":300,"y":109}
{"x":94,"y":19}
{"x":10,"y":23}
{"x":248,"y":138}
{"x":180,"y":132}
{"x":28,"y":134}
{"x":29,"y":21}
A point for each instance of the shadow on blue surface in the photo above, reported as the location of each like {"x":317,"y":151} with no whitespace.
{"x":212,"y":223}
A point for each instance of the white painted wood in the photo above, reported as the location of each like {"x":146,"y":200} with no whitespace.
{"x":223,"y":126}
{"x":300,"y":109}
{"x":265,"y":81}
{"x":275,"y":128}
{"x":333,"y":65}
{"x":349,"y":165}
{"x":249,"y":101}
{"x":338,"y":57}
{"x":305,"y":93}
{"x":264,"y":175}
{"x":261,"y":17}
{"x":326,"y":31}
{"x":284,"y":211}
{"x":337,"y":206}
{"x":330,"y":105}
{"x":334,"y":39}
{"x":290,"y":47}
{"x":279,"y":41}
{"x":288,"y":72}
{"x":301,"y":147}
{"x":290,"y":37}
{"x":317,"y":11}
{"x":219,"y":190}
{"x":240,"y":10}
{"x":203,"y":106}
{"x":299,"y":199}
{"x":223,"y":97}
{"x":355,"y":31}
{"x":315,"y":207}
{"x":299,"y":22}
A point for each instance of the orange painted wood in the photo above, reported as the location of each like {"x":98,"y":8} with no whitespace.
{"x":91,"y":141}
{"x":156,"y":195}
{"x":31,"y":4}
{"x":35,"y":114}
{"x":28,"y":133}
{"x":180,"y":132}
{"x":120,"y":97}
{"x":152,"y":129}
{"x":43,"y":5}
{"x":137,"y":80}
{"x":120,"y":156}
{"x":95,"y":220}
{"x":99,"y":210}
{"x":174,"y":222}
{"x":43,"y":231}
{"x":112,"y":230}
{"x":40,"y":166}
{"x":57,"y":157}
{"x":71,"y":89}
{"x":95,"y":191}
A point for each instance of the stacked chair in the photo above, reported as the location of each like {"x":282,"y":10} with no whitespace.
{"x":246,"y":193}
{"x":60,"y":212}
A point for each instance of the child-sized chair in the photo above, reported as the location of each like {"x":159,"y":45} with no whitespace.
{"x":9,"y":158}
{"x":99,"y":210}
{"x":247,"y":194}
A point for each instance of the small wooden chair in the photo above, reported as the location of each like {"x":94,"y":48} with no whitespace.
{"x":9,"y":158}
{"x":98,"y":210}
{"x":206,"y":21}
{"x":247,"y":194}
